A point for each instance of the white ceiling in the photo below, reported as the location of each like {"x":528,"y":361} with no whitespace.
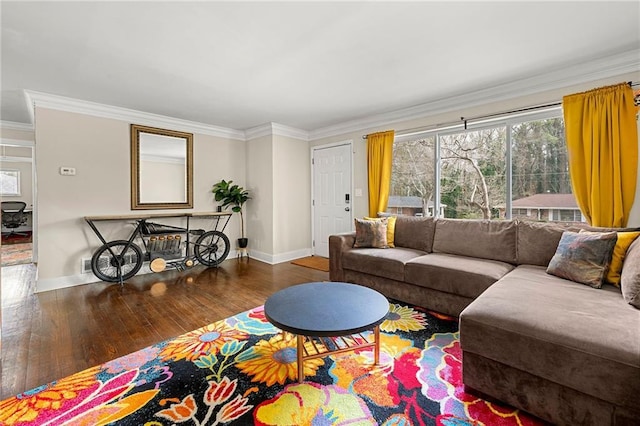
{"x":302,"y":64}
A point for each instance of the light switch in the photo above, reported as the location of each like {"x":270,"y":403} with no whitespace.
{"x":358,"y":192}
{"x":67,"y":171}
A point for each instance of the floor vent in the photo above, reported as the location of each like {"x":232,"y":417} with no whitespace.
{"x":85,"y":265}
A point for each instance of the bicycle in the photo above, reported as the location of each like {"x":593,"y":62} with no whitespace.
{"x":120,"y":260}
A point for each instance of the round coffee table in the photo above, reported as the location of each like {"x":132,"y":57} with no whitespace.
{"x":329,"y":317}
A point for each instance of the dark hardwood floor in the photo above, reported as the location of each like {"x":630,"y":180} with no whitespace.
{"x":50,"y":335}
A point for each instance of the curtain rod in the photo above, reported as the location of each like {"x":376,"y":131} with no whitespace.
{"x":464,"y":120}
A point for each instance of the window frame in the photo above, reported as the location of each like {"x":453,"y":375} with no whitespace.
{"x":505,"y":120}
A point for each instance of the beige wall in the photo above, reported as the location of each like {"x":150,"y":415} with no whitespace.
{"x":259,"y":227}
{"x":292,"y":195}
{"x":99,"y":150}
{"x":361,"y":204}
{"x":278,"y":175}
{"x":22,"y":135}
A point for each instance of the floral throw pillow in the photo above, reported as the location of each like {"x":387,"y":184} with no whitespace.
{"x":370,"y":233}
{"x":583,"y":257}
{"x":391,"y":228}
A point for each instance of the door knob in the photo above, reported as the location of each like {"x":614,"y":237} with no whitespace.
{"x":346,"y":209}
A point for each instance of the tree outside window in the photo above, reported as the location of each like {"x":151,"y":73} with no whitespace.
{"x":473,"y":182}
{"x":413,"y":175}
{"x":473,"y":172}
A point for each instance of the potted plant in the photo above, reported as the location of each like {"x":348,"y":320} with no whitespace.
{"x":234,"y":196}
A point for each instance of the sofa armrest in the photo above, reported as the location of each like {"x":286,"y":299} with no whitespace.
{"x":338,"y":245}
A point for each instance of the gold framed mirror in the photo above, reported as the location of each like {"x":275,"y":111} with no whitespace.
{"x":161,"y":169}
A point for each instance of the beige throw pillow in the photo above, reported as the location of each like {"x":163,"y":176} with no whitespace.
{"x":370,"y":233}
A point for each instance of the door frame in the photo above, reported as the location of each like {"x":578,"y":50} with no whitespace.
{"x":348,"y":142}
{"x":24,"y":143}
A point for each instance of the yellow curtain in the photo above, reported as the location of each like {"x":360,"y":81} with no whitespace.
{"x":379,"y":160}
{"x":602,"y":143}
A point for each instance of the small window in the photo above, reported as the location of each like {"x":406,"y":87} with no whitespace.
{"x":10,"y":182}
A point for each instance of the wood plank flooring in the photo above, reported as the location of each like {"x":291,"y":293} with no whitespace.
{"x":50,"y":335}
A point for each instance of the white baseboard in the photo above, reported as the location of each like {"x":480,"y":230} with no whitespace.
{"x":273,"y":259}
{"x":47,"y":284}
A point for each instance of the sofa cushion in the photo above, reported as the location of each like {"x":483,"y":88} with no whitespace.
{"x":414,"y":232}
{"x":464,"y":276}
{"x":387,"y":263}
{"x":630,"y":276}
{"x":485,"y":239}
{"x":538,"y":241}
{"x":571,"y":334}
{"x":583,"y":257}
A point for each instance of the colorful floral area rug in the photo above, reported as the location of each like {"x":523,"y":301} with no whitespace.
{"x":242,"y":370}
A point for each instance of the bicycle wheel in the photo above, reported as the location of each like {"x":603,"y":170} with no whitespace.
{"x":127,"y":258}
{"x":211,"y":248}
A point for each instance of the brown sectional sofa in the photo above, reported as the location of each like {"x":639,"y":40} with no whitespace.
{"x":563,"y":351}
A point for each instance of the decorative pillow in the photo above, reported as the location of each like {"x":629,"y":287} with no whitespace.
{"x":391,"y":227}
{"x":619,"y":252}
{"x":583,"y":257}
{"x":630,"y":276}
{"x":370,"y":233}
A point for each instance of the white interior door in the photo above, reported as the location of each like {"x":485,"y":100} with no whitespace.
{"x":332,"y":198}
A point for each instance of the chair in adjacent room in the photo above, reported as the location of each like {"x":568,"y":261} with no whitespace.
{"x":13,"y":216}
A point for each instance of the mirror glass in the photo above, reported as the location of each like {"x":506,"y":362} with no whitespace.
{"x":161,"y":168}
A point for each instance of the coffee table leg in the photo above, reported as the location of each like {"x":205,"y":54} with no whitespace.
{"x":376,"y":348}
{"x":300,"y":340}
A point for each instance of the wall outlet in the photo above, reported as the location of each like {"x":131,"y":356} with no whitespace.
{"x":67,"y":171}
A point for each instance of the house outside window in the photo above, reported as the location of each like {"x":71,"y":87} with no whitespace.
{"x":10,"y":183}
{"x":567,"y":215}
{"x":510,"y":167}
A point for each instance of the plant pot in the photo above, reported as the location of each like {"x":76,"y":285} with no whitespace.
{"x":243,"y":242}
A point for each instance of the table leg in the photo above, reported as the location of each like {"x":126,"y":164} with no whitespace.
{"x":300,"y":341}
{"x":376,"y":348}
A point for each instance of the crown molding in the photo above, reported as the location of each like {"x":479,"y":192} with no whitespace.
{"x":258,"y":131}
{"x":575,"y":74}
{"x":579,"y":73}
{"x":14,"y":125}
{"x":290,"y":132}
{"x":45,"y":100}
{"x":275,"y":129}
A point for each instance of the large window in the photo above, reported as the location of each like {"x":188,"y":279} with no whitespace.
{"x":473,"y":179}
{"x":413,"y":177}
{"x":10,"y":182}
{"x":514,"y":167}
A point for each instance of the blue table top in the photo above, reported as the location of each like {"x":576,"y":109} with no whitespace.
{"x":326,"y":309}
